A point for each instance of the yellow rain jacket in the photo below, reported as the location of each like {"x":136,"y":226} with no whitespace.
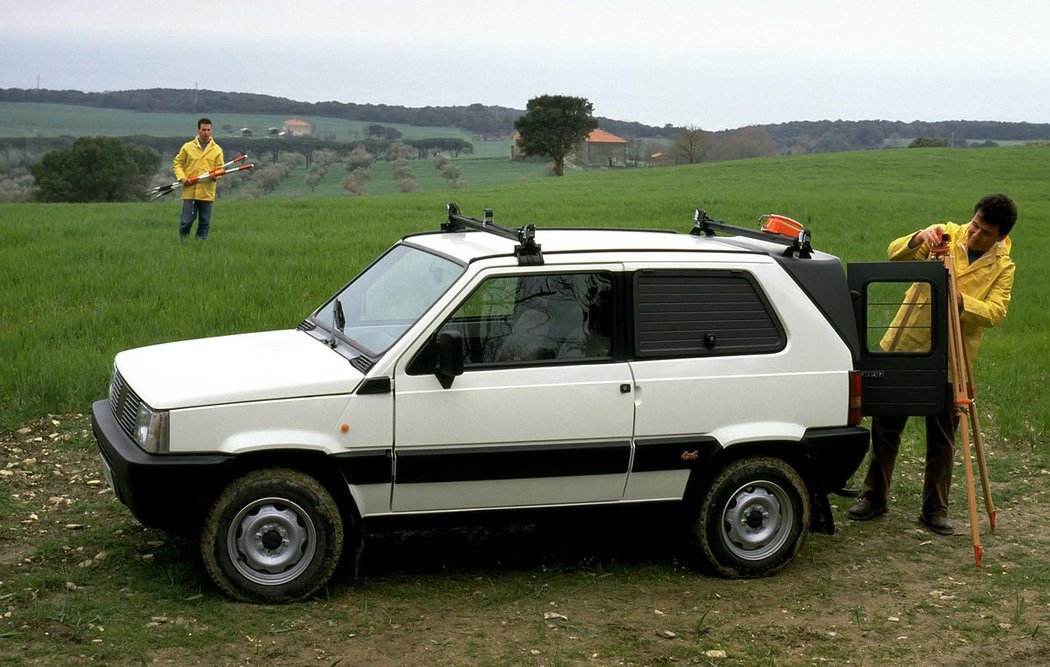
{"x":985,"y":287}
{"x":192,"y":161}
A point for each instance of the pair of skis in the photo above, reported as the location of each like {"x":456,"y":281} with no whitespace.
{"x":214,"y":174}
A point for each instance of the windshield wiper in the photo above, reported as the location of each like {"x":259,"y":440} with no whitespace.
{"x":338,"y":322}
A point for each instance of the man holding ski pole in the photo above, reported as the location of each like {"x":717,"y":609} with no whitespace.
{"x":197,"y":156}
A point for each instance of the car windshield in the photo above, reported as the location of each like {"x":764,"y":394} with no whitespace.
{"x":381,"y":303}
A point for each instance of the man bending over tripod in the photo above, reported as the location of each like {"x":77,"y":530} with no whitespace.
{"x":984,"y":272}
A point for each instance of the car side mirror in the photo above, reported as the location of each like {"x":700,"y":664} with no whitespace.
{"x":449,"y":362}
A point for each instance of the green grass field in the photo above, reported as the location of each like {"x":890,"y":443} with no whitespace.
{"x":85,"y":281}
{"x":81,"y":582}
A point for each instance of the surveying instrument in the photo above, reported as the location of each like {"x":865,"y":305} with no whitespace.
{"x":964,"y":403}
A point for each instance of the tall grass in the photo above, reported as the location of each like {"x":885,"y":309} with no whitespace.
{"x":82,"y":282}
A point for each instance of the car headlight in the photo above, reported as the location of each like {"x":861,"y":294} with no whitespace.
{"x":151,"y":429}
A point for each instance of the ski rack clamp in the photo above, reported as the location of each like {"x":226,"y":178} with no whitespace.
{"x":796,"y":247}
{"x":527,"y":251}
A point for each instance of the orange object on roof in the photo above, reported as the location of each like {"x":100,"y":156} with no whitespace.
{"x":781,"y":225}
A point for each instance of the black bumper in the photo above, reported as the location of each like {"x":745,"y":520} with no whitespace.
{"x":169,"y":491}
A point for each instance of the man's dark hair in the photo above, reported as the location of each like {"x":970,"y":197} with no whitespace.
{"x":999,"y":210}
{"x":203,"y":121}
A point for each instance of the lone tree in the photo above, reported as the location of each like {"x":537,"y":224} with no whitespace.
{"x":690,"y":145}
{"x":553,"y":125}
{"x":95,"y":169}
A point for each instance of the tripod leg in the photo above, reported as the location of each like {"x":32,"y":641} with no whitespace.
{"x":959,"y":369}
{"x":978,"y":442}
{"x":971,"y":490}
{"x":982,"y":466}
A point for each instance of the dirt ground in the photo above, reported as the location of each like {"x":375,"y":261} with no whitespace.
{"x":582,"y":589}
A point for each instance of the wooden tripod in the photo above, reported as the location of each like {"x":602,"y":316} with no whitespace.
{"x":964,"y":403}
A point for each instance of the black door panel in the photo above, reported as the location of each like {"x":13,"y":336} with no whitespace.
{"x":899,"y":377}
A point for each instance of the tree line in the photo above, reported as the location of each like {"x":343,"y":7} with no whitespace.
{"x":478,"y":119}
{"x":820,"y":136}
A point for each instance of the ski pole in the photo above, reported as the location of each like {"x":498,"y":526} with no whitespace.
{"x":214,"y":174}
{"x":161,"y":190}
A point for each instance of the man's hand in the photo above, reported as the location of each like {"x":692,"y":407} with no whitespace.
{"x":931,"y":237}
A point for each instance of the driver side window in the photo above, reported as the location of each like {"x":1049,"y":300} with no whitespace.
{"x":536,"y":318}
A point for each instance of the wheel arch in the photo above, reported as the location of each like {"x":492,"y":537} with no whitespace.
{"x":797,"y":454}
{"x":313,"y":463}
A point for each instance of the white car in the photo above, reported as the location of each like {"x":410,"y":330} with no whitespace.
{"x":482,"y":368}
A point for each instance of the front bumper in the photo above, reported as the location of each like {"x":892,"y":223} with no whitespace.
{"x":169,"y":491}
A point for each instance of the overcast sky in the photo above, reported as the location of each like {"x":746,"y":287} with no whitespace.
{"x":714,"y":65}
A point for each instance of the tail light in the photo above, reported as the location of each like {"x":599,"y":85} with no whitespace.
{"x":854,"y":416}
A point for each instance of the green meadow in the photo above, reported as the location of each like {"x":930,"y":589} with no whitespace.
{"x":82,"y":583}
{"x":82,"y":282}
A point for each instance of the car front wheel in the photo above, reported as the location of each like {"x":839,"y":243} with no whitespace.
{"x":273,"y":536}
{"x":753,"y":518}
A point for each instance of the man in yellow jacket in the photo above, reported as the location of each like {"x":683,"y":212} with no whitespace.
{"x":197,"y":156}
{"x":984,"y":272}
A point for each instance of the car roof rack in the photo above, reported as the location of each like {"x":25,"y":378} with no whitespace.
{"x":798,"y":245}
{"x":527,"y":251}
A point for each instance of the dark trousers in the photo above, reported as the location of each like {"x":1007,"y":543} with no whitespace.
{"x":195,"y":209}
{"x":940,"y":448}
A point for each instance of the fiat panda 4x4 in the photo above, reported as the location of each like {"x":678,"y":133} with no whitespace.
{"x":486,"y":368}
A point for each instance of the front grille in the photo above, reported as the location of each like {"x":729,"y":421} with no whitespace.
{"x":124,"y":402}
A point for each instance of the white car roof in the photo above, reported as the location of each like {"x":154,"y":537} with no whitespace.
{"x":469,"y":245}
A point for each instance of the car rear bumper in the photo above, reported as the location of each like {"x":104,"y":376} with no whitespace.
{"x":837,"y":453}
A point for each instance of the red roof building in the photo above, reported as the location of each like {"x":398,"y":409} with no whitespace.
{"x":598,"y":149}
{"x":602,"y":149}
{"x":298,"y":128}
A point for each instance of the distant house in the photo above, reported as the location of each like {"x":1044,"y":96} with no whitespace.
{"x":298,"y":128}
{"x":599,"y":149}
{"x":602,"y":149}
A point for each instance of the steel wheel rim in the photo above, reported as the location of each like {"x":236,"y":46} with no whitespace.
{"x":271,"y":541}
{"x":757,"y":520}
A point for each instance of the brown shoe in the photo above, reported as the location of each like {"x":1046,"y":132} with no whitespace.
{"x":865,"y":510}
{"x":941,"y":525}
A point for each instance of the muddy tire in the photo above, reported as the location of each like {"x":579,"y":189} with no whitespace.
{"x":273,"y":536}
{"x":753,"y":518}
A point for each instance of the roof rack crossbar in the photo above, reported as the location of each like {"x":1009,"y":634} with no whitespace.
{"x":796,"y":247}
{"x":527,"y":251}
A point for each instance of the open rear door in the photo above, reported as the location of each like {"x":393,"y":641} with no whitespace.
{"x":904,"y":382}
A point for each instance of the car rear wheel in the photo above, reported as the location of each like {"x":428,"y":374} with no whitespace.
{"x":753,"y":518}
{"x":273,"y":536}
